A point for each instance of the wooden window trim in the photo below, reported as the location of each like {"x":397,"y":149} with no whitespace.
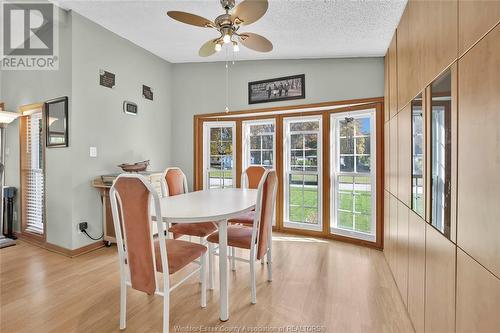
{"x":270,"y":113}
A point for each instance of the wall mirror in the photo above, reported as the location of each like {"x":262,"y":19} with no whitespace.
{"x":440,"y":172}
{"x":417,"y":147}
{"x":56,"y":122}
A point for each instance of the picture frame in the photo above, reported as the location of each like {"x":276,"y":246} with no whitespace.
{"x":277,"y":89}
{"x":56,"y":122}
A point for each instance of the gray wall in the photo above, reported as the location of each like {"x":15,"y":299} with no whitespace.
{"x":200,"y":88}
{"x":27,"y":87}
{"x":98,"y":119}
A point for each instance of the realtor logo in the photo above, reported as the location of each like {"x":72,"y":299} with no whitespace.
{"x":30,"y":36}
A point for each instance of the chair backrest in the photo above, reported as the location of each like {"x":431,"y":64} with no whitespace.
{"x":252,"y":176}
{"x":174,"y":182}
{"x":130,"y":198}
{"x":264,"y":212}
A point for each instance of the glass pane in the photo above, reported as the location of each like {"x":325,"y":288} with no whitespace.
{"x":345,"y":200}
{"x":417,"y":156}
{"x":215,"y":180}
{"x":363,"y":146}
{"x":295,"y":189}
{"x":362,"y":126}
{"x":304,"y":126}
{"x":346,"y":129}
{"x":255,"y":158}
{"x":346,"y":145}
{"x":226,"y":133}
{"x":267,"y":142}
{"x":347,"y":163}
{"x":261,"y":129}
{"x":296,"y":141}
{"x":297,"y":160}
{"x":311,"y":141}
{"x":441,"y":153}
{"x":255,"y":142}
{"x":228,"y":179}
{"x":295,"y":214}
{"x":227,"y":162}
{"x":311,"y":160}
{"x":362,"y":223}
{"x":363,"y":164}
{"x":215,"y":134}
{"x":215,"y":162}
{"x":267,"y":158}
{"x":345,"y":220}
{"x":311,"y":215}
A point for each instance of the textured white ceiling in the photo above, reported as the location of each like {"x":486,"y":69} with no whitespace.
{"x":298,"y":29}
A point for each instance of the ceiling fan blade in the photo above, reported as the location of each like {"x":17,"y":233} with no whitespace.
{"x":189,"y":18}
{"x":249,"y":11}
{"x":208,"y":48}
{"x":256,"y":42}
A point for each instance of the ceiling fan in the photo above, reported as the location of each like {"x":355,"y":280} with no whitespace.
{"x":228,"y":24}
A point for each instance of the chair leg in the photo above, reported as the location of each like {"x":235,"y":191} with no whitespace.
{"x":123,"y":304}
{"x":233,"y":261}
{"x":210,"y":266}
{"x":202,"y":242}
{"x":203,"y":263}
{"x":252,"y":278}
{"x":166,"y":312}
{"x":269,"y":265}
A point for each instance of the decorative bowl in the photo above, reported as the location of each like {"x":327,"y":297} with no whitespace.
{"x":135,"y":167}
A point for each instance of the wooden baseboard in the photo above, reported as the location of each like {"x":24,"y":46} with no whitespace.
{"x":58,"y":249}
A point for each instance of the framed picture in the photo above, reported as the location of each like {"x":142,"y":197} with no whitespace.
{"x":279,"y":89}
{"x":56,"y":122}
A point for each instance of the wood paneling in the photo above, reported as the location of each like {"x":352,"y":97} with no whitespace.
{"x":404,"y":64}
{"x":416,"y":271}
{"x":404,"y":155}
{"x":393,"y":156}
{"x":402,"y":252}
{"x":393,"y":78}
{"x":387,"y":225}
{"x":478,"y":297}
{"x":478,"y":153}
{"x":393,"y":232}
{"x":475,"y":19}
{"x":386,"y":88}
{"x":387,"y":151}
{"x":440,"y":258}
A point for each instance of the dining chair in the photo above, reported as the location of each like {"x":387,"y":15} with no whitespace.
{"x":141,"y":252}
{"x":174,"y":182}
{"x":250,"y":179}
{"x":258,"y":237}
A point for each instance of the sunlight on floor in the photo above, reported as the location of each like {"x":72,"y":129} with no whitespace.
{"x":298,"y":239}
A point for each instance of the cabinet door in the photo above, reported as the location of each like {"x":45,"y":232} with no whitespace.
{"x":478,"y":297}
{"x":439,"y":282}
{"x":475,"y":19}
{"x":416,"y":271}
{"x":402,"y":252}
{"x":478,"y":153}
{"x":393,"y":155}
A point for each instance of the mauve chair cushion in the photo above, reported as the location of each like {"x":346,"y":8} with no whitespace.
{"x":246,"y":218}
{"x":254,"y":175}
{"x":175,"y":182}
{"x":193,"y":229}
{"x":180,"y":254}
{"x":237,"y":235}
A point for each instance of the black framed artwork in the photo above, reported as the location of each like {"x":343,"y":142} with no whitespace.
{"x":56,"y":122}
{"x":278,"y":89}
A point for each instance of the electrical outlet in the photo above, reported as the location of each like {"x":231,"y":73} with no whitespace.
{"x":82,"y":226}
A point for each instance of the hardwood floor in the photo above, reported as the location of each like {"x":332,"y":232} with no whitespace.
{"x":338,"y":286}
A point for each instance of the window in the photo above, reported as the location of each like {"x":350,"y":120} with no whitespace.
{"x":259,"y":143}
{"x":32,"y":173}
{"x":418,"y":198}
{"x":353,"y":174}
{"x":303,"y":172}
{"x":219,"y":156}
{"x":441,"y":153}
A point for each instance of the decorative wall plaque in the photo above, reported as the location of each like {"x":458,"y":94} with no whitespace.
{"x":147,"y":93}
{"x":107,"y":79}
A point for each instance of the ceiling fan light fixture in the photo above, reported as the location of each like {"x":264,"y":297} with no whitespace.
{"x":236,"y":47}
{"x":226,"y":38}
{"x":218,"y":47}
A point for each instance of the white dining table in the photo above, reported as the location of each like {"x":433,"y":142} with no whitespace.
{"x":215,"y":205}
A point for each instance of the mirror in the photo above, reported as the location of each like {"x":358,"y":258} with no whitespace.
{"x":417,"y":147}
{"x":441,"y":153}
{"x":56,"y":122}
